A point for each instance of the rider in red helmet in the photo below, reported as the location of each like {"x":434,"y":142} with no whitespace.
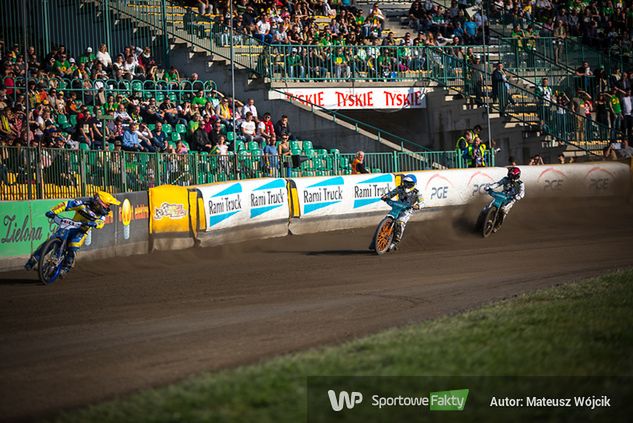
{"x":513,"y":187}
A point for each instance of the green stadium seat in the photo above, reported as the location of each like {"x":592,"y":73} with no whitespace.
{"x":294,"y":145}
{"x":73,"y":120}
{"x":111,"y":146}
{"x":175,"y":136}
{"x":160,"y":97}
{"x":253,"y":146}
{"x":230,"y":136}
{"x":84,"y":146}
{"x":307,"y":145}
{"x":334,"y":151}
{"x":181,"y":129}
{"x":167,"y":128}
{"x":239,"y":145}
{"x":151,"y":126}
{"x":62,"y":120}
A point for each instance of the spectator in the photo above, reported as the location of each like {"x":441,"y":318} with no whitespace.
{"x":283,"y":150}
{"x":266,"y":129}
{"x":358,"y":164}
{"x":249,"y":129}
{"x":627,"y":112}
{"x":626,"y":151}
{"x":201,"y":140}
{"x":104,"y":57}
{"x":216,"y":132}
{"x":250,"y":107}
{"x":271,"y":157}
{"x":160,"y":138}
{"x":536,"y":160}
{"x":282,"y":127}
{"x":500,"y":91}
{"x":131,"y":140}
{"x":122,"y":114}
{"x":476,"y":153}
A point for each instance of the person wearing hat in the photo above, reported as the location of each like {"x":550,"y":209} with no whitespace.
{"x":88,"y":57}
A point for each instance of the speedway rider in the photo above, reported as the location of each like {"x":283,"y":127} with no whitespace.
{"x":91,"y":213}
{"x":406,"y":193}
{"x":513,"y":187}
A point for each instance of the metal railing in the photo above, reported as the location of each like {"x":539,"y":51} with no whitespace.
{"x":87,"y":90}
{"x":527,"y":107}
{"x":570,"y":51}
{"x":31,"y":173}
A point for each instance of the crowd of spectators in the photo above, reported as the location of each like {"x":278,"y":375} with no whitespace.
{"x":602,"y":104}
{"x":89,"y":103}
{"x":604,"y":24}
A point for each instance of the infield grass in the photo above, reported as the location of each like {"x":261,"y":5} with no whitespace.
{"x":576,"y":329}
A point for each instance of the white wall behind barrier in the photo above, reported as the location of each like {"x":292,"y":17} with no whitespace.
{"x":598,"y":179}
{"x":246,"y":202}
{"x":342,"y":195}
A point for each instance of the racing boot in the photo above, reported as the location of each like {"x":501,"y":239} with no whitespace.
{"x":30,"y":264}
{"x":499,"y":222}
{"x":68,"y":264}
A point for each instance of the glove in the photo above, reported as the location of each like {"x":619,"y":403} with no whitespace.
{"x":50,"y":214}
{"x":91,"y":224}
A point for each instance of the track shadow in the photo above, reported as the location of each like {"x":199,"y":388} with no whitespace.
{"x":16,"y":281}
{"x":340,"y":253}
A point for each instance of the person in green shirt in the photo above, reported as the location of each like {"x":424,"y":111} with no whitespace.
{"x":62,"y":66}
{"x":199,"y":99}
{"x":172,"y":77}
{"x":88,"y":57}
{"x":615,"y":108}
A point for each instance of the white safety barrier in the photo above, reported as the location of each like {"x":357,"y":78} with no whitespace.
{"x":244,"y":210}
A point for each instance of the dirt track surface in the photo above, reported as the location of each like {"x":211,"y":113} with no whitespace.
{"x":115,"y":326}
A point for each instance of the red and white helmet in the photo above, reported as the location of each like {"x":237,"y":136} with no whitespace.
{"x":514,"y":173}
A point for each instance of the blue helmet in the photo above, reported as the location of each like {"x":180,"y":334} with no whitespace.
{"x":409,"y":181}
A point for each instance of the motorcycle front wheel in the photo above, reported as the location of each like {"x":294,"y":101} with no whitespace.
{"x":489,"y":222}
{"x":51,"y":260}
{"x":384,"y":235}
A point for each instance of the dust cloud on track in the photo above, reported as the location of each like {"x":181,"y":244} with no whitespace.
{"x":118,"y":325}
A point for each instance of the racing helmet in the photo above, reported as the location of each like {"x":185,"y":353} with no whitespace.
{"x":101,"y":201}
{"x":409,"y":181}
{"x":514,"y":173}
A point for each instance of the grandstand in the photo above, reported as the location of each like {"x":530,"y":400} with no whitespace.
{"x":84,"y":57}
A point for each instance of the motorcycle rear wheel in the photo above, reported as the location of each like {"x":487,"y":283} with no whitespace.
{"x":50,"y":261}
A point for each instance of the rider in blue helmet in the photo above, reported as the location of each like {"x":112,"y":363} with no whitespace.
{"x":406,"y":192}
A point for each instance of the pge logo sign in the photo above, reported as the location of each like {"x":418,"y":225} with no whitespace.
{"x":552,"y":180}
{"x":479,"y":181}
{"x":438,"y":188}
{"x":598,"y":180}
{"x":322,"y":194}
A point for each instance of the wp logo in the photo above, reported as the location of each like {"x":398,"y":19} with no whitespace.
{"x":344,"y":398}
